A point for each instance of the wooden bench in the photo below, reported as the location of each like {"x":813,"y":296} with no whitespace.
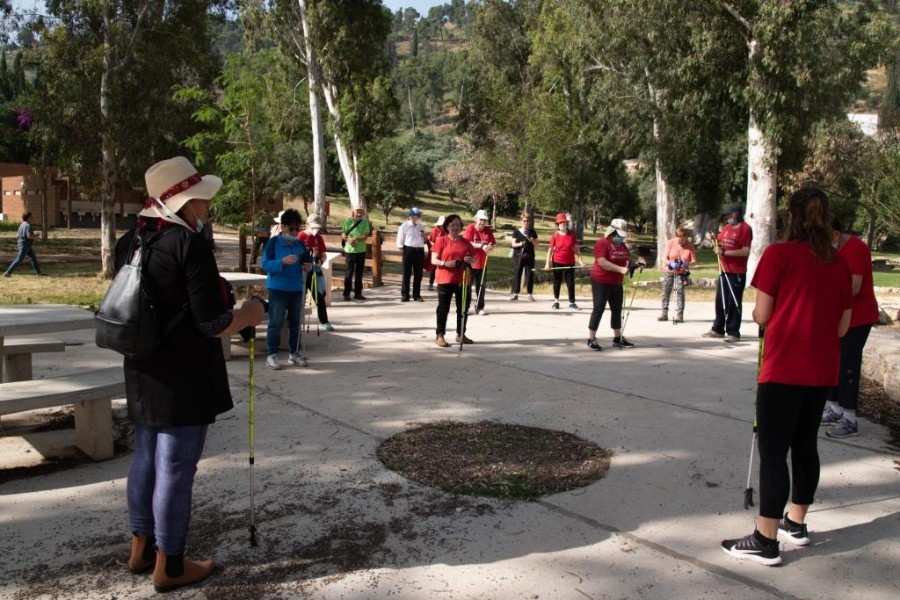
{"x":17,"y":351}
{"x":91,"y":392}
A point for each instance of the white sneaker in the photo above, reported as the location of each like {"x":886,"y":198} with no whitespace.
{"x":530,"y":298}
{"x":327,"y":326}
{"x":272,"y":362}
{"x":299,"y":360}
{"x":482,"y":312}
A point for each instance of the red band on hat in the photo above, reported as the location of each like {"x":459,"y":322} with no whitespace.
{"x":181,"y":186}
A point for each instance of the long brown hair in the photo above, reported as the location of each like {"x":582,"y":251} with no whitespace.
{"x":809,"y":221}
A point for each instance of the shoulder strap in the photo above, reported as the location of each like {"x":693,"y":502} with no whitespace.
{"x":142,"y":254}
{"x":355,"y":225}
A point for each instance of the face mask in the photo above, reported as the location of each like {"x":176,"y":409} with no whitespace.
{"x":314,"y":231}
{"x":732,"y":221}
{"x":618,"y":240}
{"x":289,"y":237}
{"x":563,"y":227}
{"x":200,"y":225}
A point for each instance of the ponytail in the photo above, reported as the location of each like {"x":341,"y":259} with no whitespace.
{"x":809,"y":221}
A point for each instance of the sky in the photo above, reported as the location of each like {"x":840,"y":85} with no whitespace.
{"x":420,"y":5}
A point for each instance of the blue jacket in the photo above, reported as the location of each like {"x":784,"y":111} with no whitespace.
{"x":279,"y":276}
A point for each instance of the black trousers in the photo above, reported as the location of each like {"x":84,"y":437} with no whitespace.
{"x":569,"y":275}
{"x":413,"y":262}
{"x":321,"y":309}
{"x":788,"y":418}
{"x":356,"y":264}
{"x":847,"y":391}
{"x":446,"y":292}
{"x":602,"y":294}
{"x":477,"y":278}
{"x":524,"y":264}
{"x":728,"y":307}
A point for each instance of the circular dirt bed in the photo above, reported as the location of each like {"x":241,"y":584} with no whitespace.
{"x":494,"y":459}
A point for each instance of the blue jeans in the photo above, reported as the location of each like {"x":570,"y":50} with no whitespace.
{"x":24,"y":250}
{"x":161,"y":482}
{"x":279,"y":303}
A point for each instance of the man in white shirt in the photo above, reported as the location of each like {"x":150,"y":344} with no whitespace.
{"x":411,"y":241}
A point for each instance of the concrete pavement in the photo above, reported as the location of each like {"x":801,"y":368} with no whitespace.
{"x":334,"y":523}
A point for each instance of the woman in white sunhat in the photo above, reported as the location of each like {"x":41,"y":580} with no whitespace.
{"x":315,"y":244}
{"x":175,"y":394}
{"x":481,"y":236}
{"x":612,"y":259}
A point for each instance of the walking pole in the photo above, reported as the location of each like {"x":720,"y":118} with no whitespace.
{"x":302,"y":341}
{"x":631,"y":302}
{"x":315,"y":298}
{"x":251,"y":421}
{"x":465,"y":316}
{"x":748,"y":492}
{"x":483,"y":277}
{"x":722,"y":274}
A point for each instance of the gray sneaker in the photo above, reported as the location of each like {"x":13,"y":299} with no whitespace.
{"x":299,"y":360}
{"x":829,"y":417}
{"x":713,"y":334}
{"x":843,"y":429}
{"x":272,"y":362}
{"x":730,"y":339}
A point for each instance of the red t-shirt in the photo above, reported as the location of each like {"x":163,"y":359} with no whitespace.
{"x":617,"y":254}
{"x":313,"y":242}
{"x":675,"y":251}
{"x":448,"y":249}
{"x":435,"y":234}
{"x":801,"y":344}
{"x":485,"y":236}
{"x":734,"y":238}
{"x":859,"y":259}
{"x":563,"y":246}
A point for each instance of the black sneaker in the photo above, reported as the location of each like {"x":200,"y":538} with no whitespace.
{"x":360,"y":297}
{"x":789,"y":531}
{"x":752,"y":548}
{"x":594,"y":345}
{"x":622,"y":342}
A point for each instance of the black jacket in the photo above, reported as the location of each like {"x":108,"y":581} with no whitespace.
{"x":184,"y":382}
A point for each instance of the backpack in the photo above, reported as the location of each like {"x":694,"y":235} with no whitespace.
{"x":127,"y":320}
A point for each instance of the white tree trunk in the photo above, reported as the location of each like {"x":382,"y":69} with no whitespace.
{"x":762,"y":179}
{"x":665,"y":216}
{"x":315,"y":110}
{"x":346,"y":156}
{"x":107,"y":163}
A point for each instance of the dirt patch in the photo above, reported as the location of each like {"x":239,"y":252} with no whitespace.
{"x":495,"y":459}
{"x":876,"y":406}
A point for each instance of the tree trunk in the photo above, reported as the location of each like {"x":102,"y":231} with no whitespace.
{"x":107,"y":168}
{"x":762,"y":179}
{"x":412,"y":116}
{"x":665,"y":216}
{"x":872,"y":229}
{"x":314,"y":81}
{"x":347,"y":157}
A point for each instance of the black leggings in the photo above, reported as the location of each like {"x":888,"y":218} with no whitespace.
{"x":569,"y":274}
{"x":321,"y":309}
{"x":446,"y":291}
{"x":788,"y":418}
{"x":603,"y":293}
{"x":847,"y":392}
{"x":523,"y":263}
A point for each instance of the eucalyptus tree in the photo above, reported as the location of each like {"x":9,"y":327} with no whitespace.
{"x":805,"y":61}
{"x":341,"y":45}
{"x":109,"y":67}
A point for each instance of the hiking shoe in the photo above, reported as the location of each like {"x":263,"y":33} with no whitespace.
{"x":272,"y":362}
{"x":514,"y":298}
{"x":419,"y":299}
{"x":346,"y":298}
{"x":679,"y":318}
{"x":663,"y":316}
{"x":594,"y":345}
{"x":713,"y":334}
{"x":573,"y":306}
{"x":622,"y":342}
{"x":404,"y":299}
{"x":791,"y":532}
{"x":464,"y":339}
{"x":298,"y":360}
{"x":843,"y":429}
{"x":360,"y":297}
{"x":752,"y":548}
{"x":327,"y":326}
{"x":555,"y":305}
{"x":440,"y":342}
{"x":530,"y":298}
{"x":730,"y":339}
{"x":430,"y":288}
{"x":829,"y":417}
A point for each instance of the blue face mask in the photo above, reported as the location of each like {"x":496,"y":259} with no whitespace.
{"x":289,"y":237}
{"x":199,"y":225}
{"x":618,"y":240}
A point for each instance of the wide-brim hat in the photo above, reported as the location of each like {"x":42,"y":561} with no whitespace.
{"x":174,"y":182}
{"x":481,"y":215}
{"x":619,"y":226}
{"x":440,"y":221}
{"x":313,"y":221}
{"x":278,"y":218}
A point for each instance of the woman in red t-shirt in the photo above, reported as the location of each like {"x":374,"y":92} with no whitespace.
{"x":844,"y":399}
{"x":611,"y":261}
{"x":678,"y":258}
{"x":803,"y":299}
{"x":451,"y":255}
{"x":563,"y":250}
{"x":436,"y":232}
{"x":315,"y":243}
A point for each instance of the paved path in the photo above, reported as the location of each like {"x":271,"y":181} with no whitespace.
{"x":334,"y":523}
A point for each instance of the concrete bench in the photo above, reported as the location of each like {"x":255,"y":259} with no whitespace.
{"x":91,"y":392}
{"x":17,"y":351}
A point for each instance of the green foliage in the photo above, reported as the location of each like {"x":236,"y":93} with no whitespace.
{"x":390,"y":177}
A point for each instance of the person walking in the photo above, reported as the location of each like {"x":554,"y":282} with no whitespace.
{"x":354,"y":232}
{"x":732,"y":246}
{"x":840,"y":414}
{"x":411,"y":242}
{"x":175,"y":394}
{"x":562,"y":251}
{"x":678,"y":257}
{"x":803,"y":300}
{"x":612,"y":261}
{"x":482,"y":239}
{"x":451,"y":255}
{"x":286,"y":262}
{"x":524,"y":242}
{"x":24,"y":247}
{"x":315,"y":244}
{"x":436,"y":232}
